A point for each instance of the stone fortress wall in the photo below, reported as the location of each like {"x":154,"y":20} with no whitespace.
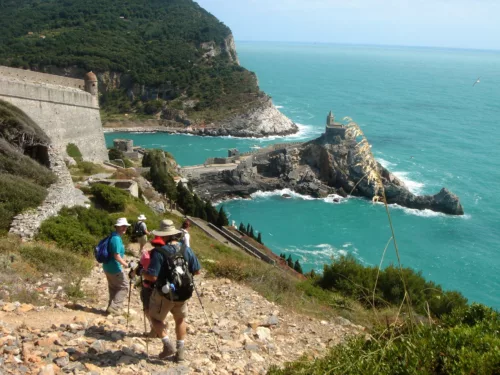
{"x":60,"y":106}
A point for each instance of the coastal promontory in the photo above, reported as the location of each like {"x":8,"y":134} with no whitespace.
{"x":159,"y":64}
{"x":329,"y":165}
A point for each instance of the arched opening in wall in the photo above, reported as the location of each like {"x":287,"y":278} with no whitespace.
{"x":23,"y":134}
{"x":40,"y":153}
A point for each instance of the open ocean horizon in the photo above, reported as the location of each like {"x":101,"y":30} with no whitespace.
{"x":427,"y":124}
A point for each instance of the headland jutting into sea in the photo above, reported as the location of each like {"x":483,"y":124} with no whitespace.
{"x":328,"y":165}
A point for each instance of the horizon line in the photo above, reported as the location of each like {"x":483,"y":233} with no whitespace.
{"x":370,"y":45}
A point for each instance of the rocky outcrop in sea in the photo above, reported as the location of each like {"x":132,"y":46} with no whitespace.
{"x":317,"y":168}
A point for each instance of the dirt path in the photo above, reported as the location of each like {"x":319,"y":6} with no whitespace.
{"x":251,"y":332}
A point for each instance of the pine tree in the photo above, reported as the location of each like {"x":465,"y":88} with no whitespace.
{"x":181,"y":194}
{"x":297,"y":267}
{"x":212,"y":214}
{"x":189,"y":205}
{"x":248,"y":229}
{"x":289,"y":261}
{"x":222,"y":220}
{"x":282,"y":255}
{"x":251,"y":234}
{"x":259,"y":238}
{"x":242,"y":228}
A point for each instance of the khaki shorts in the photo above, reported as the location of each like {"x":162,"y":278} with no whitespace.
{"x":142,"y":240}
{"x":160,"y":306}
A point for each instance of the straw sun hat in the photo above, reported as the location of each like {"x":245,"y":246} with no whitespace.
{"x":167,"y":228}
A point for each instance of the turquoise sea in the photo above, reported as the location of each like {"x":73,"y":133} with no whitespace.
{"x":416,"y":102}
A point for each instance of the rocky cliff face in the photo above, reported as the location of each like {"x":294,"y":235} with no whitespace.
{"x":211,"y":49}
{"x":262,"y":120}
{"x":317,"y":168}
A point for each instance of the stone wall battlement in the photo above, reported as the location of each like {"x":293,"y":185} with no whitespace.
{"x":44,"y":92}
{"x":59,"y":106}
{"x":28,"y":75}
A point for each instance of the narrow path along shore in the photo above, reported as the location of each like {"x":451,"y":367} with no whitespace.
{"x":251,"y":333}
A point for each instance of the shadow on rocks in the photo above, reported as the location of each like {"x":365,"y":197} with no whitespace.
{"x":110,"y":359}
{"x":102,"y":333}
{"x":78,"y":307}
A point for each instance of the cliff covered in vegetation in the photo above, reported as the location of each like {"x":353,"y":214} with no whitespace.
{"x":165,"y":59}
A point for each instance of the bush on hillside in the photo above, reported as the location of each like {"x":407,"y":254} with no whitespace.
{"x":50,"y":259}
{"x":16,"y":195}
{"x":349,"y":277}
{"x":77,"y":229}
{"x":114,"y":153}
{"x":73,"y":151}
{"x":15,"y":163}
{"x":466,"y":344}
{"x":109,"y":197}
{"x":89,"y":168}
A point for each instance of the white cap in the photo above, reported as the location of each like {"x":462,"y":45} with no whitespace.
{"x":122,"y":222}
{"x":141,"y":217}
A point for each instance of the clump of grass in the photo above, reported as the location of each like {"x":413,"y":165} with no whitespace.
{"x":371,"y":170}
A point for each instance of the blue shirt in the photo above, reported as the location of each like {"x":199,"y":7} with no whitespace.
{"x":115,"y":247}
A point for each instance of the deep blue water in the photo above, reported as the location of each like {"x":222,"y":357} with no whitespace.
{"x":416,"y":102}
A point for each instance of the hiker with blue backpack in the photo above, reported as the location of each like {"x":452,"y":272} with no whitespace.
{"x":110,"y":252}
{"x":171,"y":270}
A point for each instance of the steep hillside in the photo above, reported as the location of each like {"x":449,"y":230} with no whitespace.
{"x":23,"y":180}
{"x":164,"y":59}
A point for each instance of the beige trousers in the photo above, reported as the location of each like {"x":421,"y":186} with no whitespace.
{"x":118,"y":289}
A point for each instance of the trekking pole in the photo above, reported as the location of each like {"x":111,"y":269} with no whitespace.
{"x":146,"y":333}
{"x":128,"y":307}
{"x":206,"y":316}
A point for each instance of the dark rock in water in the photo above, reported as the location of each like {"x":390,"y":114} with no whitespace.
{"x":317,"y":168}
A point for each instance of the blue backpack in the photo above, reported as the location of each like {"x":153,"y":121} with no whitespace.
{"x":101,"y":252}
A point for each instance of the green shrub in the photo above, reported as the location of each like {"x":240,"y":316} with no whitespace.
{"x":109,"y":197}
{"x":73,"y":151}
{"x":114,"y":153}
{"x":350,"y":278}
{"x":469,"y":345}
{"x":89,"y":168}
{"x":128,"y":163}
{"x":50,"y":259}
{"x":23,"y":166}
{"x":16,"y":195}
{"x":77,"y":229}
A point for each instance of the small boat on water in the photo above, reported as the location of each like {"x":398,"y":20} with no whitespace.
{"x":286,"y":196}
{"x":255,"y":147}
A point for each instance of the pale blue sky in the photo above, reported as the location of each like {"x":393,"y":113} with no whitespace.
{"x":443,"y":23}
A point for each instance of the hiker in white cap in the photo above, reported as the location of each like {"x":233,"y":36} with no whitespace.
{"x":114,"y":268}
{"x":141,"y":232}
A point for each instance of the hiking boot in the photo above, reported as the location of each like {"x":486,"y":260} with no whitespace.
{"x":179,"y":356}
{"x":113,"y":311}
{"x":168,"y":350}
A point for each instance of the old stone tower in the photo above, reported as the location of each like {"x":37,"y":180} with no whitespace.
{"x":334,"y":129}
{"x":91,"y":87}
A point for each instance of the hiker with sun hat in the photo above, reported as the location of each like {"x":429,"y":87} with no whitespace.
{"x":171,"y":269}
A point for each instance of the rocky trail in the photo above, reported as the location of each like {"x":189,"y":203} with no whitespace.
{"x":251,"y":333}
